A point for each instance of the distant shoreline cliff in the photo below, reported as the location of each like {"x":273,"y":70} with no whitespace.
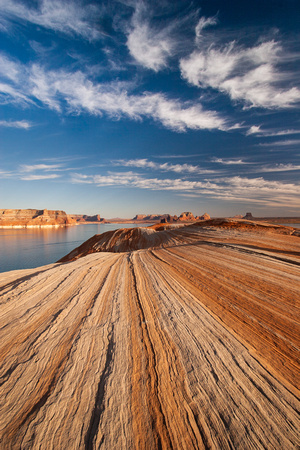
{"x":31,"y":218}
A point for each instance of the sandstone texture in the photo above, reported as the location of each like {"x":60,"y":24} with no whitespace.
{"x":33,"y":217}
{"x":182,"y":337}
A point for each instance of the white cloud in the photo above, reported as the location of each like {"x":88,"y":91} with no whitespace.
{"x":23,"y":124}
{"x":133,"y":180}
{"x":80,"y":94}
{"x":5,"y":174}
{"x":72,"y":18}
{"x":279,"y":168}
{"x":285,"y":143}
{"x":245,"y":74}
{"x":46,"y":167}
{"x":150,"y":47}
{"x":228,"y":162}
{"x":254,"y":130}
{"x":11,"y":94}
{"x":39,"y":177}
{"x":61,"y":90}
{"x":165,"y":167}
{"x":261,"y":185}
{"x":241,"y":189}
{"x":204,"y":22}
{"x":8,"y":68}
{"x":42,"y":87}
{"x":269,"y":132}
{"x":257,"y":191}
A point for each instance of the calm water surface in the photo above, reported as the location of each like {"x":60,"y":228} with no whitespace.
{"x":24,"y":248}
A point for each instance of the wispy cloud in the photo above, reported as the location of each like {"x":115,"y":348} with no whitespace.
{"x":71,"y":18}
{"x":257,"y":130}
{"x":204,"y":22}
{"x":278,"y":168}
{"x":57,"y":88}
{"x":229,"y":162}
{"x":34,"y":167}
{"x":5,"y":174}
{"x":237,"y":188}
{"x":250,"y":75}
{"x":37,"y":177}
{"x":9,"y":69}
{"x":149,"y":46}
{"x":269,"y":133}
{"x":287,"y":142}
{"x":165,"y":167}
{"x":13,"y":95}
{"x":131,"y":179}
{"x":35,"y":172}
{"x":253,"y":130}
{"x":259,"y":190}
{"x":22,"y":124}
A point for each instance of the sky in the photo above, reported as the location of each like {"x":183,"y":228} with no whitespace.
{"x":133,"y":107}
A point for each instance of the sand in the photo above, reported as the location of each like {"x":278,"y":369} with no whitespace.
{"x":190,"y":343}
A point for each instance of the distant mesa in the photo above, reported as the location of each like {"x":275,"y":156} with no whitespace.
{"x":248,"y":216}
{"x":185,"y":217}
{"x":34,"y":218}
{"x":149,"y":217}
{"x":84,"y":218}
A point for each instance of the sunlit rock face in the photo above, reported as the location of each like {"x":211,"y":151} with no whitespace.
{"x":34,"y":217}
{"x":173,"y":337}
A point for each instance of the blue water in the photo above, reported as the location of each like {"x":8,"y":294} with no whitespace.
{"x":24,"y":248}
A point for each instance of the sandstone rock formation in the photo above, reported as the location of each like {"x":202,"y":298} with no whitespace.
{"x":84,"y":218}
{"x":185,"y":217}
{"x":33,"y":217}
{"x":149,"y":217}
{"x":204,"y":216}
{"x":192,"y":343}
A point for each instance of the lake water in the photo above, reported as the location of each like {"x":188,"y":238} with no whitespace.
{"x":25,"y":248}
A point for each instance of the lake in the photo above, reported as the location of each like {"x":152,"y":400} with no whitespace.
{"x":26,"y":248}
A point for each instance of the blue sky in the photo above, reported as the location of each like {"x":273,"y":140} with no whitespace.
{"x":126,"y":107}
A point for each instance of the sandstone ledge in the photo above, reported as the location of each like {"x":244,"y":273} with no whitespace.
{"x":190,"y":343}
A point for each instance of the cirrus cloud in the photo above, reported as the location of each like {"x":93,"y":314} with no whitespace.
{"x":71,"y":18}
{"x":249,"y":75}
{"x":239,"y":189}
{"x":22,"y":124}
{"x":165,"y":167}
{"x":59,"y":88}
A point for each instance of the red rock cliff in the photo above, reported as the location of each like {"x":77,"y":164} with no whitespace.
{"x":34,"y":217}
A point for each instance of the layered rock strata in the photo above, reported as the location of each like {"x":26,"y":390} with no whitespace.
{"x":191,"y":343}
{"x":34,"y":217}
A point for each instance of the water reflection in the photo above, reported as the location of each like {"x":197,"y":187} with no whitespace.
{"x":23,"y":248}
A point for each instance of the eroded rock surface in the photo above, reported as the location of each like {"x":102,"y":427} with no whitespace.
{"x":190,"y":343}
{"x":33,"y":217}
